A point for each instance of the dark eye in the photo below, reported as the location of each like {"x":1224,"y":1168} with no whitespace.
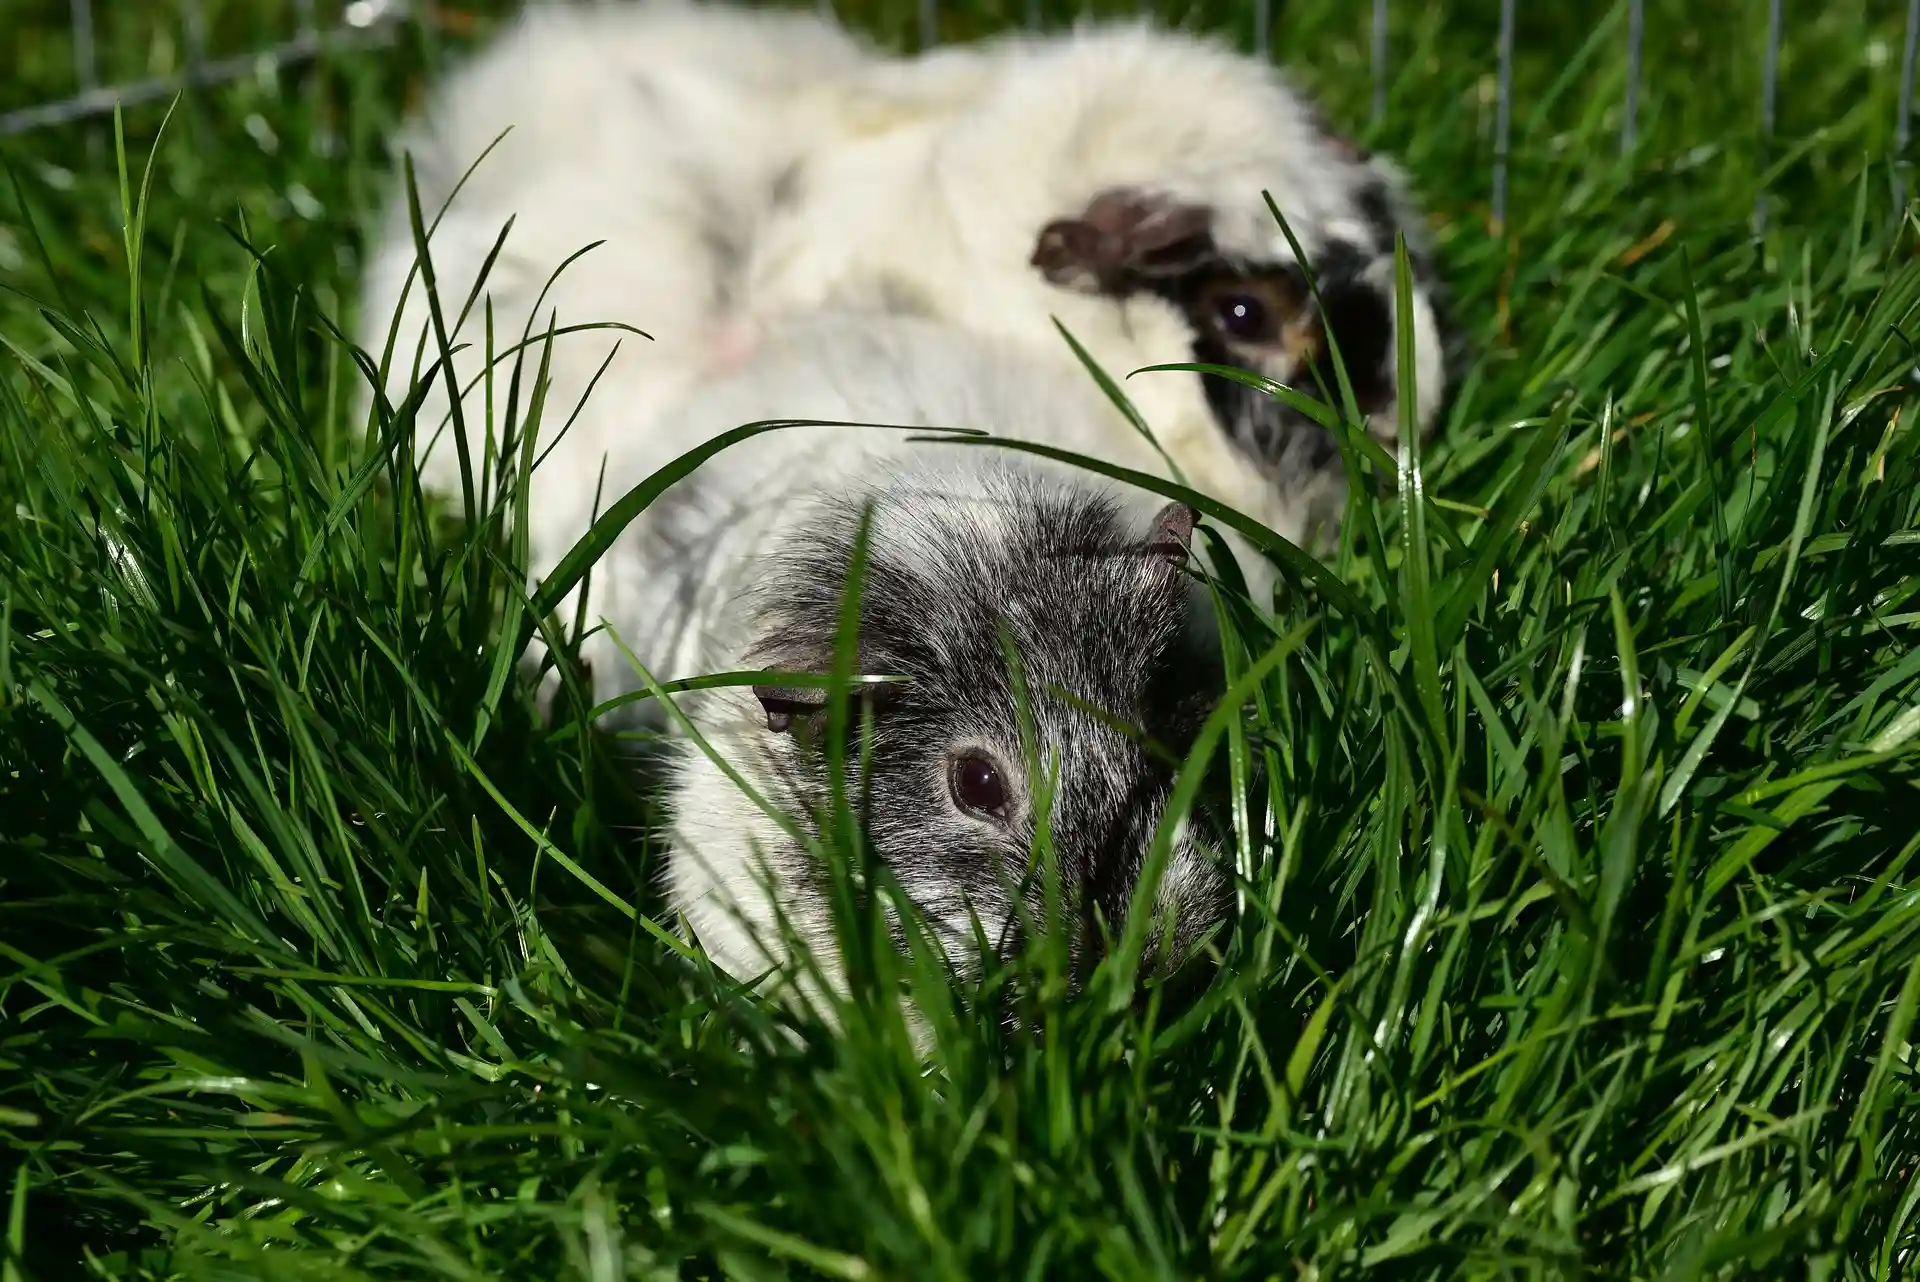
{"x":978,"y":786}
{"x":1244,"y":316}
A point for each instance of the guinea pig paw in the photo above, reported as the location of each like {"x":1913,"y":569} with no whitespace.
{"x":1125,"y":235}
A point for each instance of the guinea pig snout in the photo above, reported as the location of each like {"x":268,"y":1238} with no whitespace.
{"x":1191,"y":894}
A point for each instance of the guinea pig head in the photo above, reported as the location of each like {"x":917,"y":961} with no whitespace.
{"x":1058,"y":665}
{"x":1255,"y":308}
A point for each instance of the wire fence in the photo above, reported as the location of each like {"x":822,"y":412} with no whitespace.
{"x":364,"y":22}
{"x":361,"y":23}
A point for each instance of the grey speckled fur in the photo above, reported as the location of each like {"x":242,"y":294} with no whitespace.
{"x":1018,"y":612}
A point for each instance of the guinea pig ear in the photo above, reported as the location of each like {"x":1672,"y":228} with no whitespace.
{"x":1171,"y":536}
{"x":785,"y":705}
{"x":1123,"y":238}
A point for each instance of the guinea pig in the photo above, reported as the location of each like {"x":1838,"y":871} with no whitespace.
{"x":966,"y":763}
{"x":742,"y":564}
{"x":1115,"y":179}
{"x":744,"y":167}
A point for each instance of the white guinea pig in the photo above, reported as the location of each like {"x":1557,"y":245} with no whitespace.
{"x":748,"y":166}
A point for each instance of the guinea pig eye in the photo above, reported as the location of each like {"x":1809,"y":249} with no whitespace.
{"x":1244,"y":317}
{"x":978,"y":786}
{"x":1248,"y":309}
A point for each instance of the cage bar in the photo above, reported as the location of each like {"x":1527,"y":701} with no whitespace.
{"x":1630,"y":102}
{"x":1378,"y":60}
{"x":86,"y":69}
{"x":1903,"y":126}
{"x":1769,"y":105}
{"x":1503,"y":114}
{"x":194,"y":19}
{"x":98,"y":100}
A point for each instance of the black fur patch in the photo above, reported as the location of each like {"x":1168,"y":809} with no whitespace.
{"x":1360,"y":318}
{"x":1376,"y":206}
{"x":1294,"y":450}
{"x":1356,"y":314}
{"x":1285,"y":442}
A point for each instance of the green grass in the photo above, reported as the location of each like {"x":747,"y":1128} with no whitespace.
{"x":1583,"y":932}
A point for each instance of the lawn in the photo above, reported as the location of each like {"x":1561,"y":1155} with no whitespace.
{"x":1582,"y":935}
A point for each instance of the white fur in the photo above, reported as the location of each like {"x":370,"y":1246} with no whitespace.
{"x":656,"y":128}
{"x":668,"y":584}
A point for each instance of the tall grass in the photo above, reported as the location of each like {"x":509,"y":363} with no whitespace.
{"x":1581,"y":931}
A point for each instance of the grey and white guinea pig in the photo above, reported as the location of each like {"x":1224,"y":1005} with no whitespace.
{"x":1115,"y":178}
{"x":1116,"y":669}
{"x":742,"y":565}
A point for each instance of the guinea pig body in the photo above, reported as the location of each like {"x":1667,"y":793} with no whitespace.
{"x":678,"y":567}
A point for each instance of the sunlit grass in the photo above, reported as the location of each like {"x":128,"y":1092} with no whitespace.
{"x":1583,"y":935}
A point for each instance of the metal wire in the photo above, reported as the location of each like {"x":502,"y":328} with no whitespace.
{"x":1769,"y":105}
{"x":1503,"y":115}
{"x":1379,"y":60}
{"x":195,"y":20}
{"x":1630,"y":105}
{"x":380,"y":22}
{"x":85,"y":71}
{"x":1903,"y":125}
{"x":367,"y":22}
